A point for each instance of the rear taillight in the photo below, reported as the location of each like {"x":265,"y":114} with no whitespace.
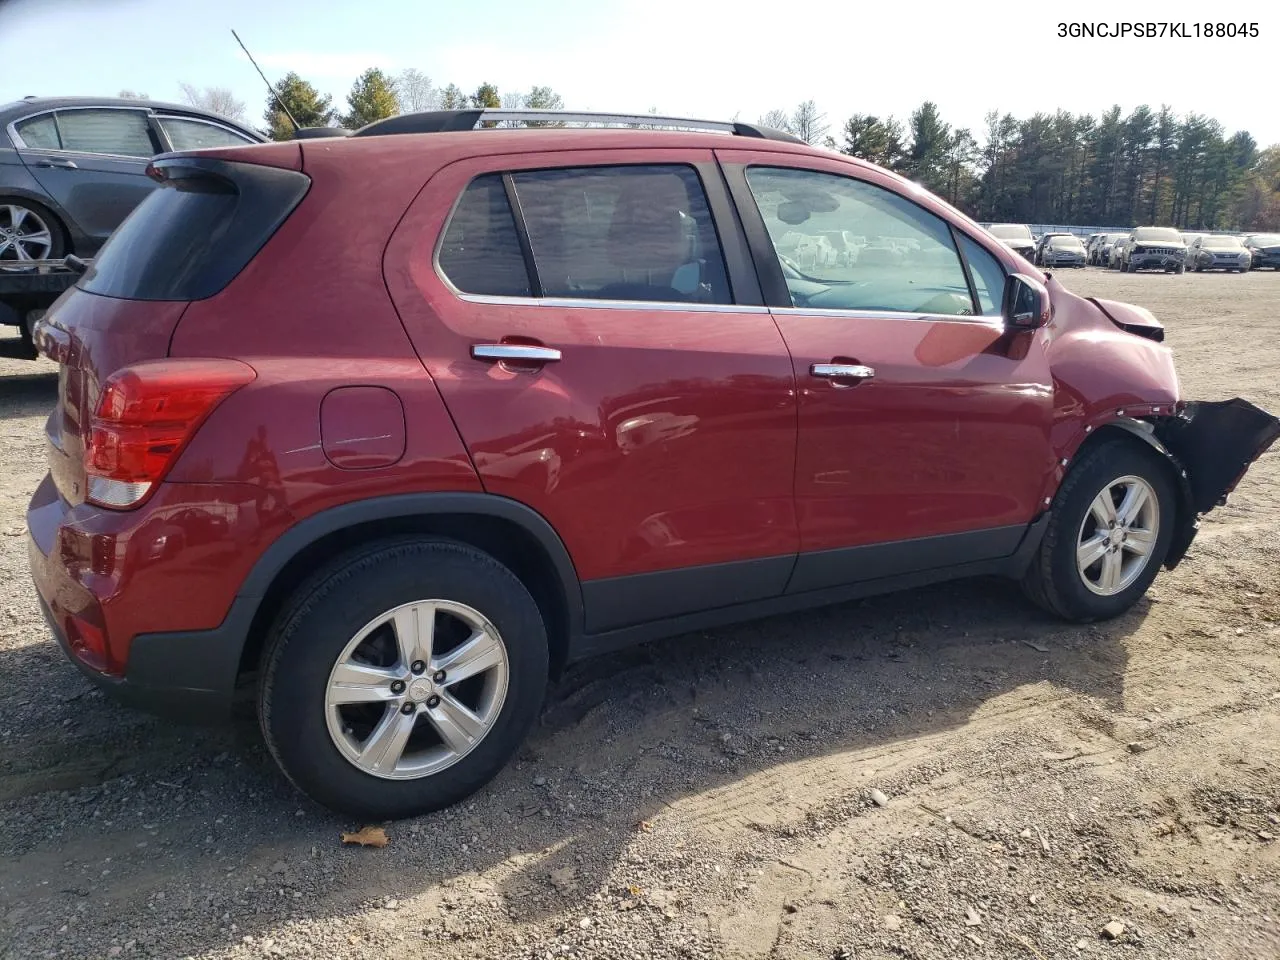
{"x":146,"y":414}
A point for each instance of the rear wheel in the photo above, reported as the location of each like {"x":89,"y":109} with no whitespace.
{"x":1108,"y":535}
{"x":403,"y":678}
{"x":28,"y":232}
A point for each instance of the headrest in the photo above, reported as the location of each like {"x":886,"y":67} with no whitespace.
{"x":647,"y":231}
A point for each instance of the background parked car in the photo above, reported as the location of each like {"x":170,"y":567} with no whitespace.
{"x":1264,"y":248}
{"x":1099,"y":249}
{"x":1217,"y":252}
{"x":1063,"y":251}
{"x":1115,"y":258}
{"x":845,"y":244}
{"x":1038,"y":256}
{"x":72,"y":168}
{"x":1016,"y":236}
{"x":1154,"y":248}
{"x":1188,"y":239}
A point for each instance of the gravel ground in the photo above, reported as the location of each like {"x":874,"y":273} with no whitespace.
{"x":940,"y":774}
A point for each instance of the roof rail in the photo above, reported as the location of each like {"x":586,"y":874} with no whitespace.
{"x":443,"y":121}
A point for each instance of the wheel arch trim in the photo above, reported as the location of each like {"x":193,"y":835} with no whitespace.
{"x":1186,"y":520}
{"x":407,"y":505}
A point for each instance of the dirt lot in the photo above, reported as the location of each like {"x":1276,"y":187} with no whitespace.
{"x":711,"y":795}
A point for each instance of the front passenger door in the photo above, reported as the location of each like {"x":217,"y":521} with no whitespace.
{"x":924,"y":424}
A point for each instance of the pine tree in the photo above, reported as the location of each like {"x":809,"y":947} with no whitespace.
{"x":303,"y":100}
{"x":372,"y":98}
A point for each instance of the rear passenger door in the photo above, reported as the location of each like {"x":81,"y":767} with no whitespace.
{"x":597,"y":332}
{"x":92,"y":162}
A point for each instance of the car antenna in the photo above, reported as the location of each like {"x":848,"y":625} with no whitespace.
{"x":274,"y":92}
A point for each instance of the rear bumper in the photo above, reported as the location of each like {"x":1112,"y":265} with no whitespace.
{"x":188,"y":677}
{"x":126,"y":578}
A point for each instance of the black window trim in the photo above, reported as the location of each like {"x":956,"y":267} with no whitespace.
{"x":522,"y":234}
{"x":744,"y":290}
{"x":769,"y":268}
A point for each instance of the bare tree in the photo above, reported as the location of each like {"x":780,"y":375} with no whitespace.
{"x":219,"y":100}
{"x":132,"y":95}
{"x":416,"y":92}
{"x":776,"y":120}
{"x":808,"y":124}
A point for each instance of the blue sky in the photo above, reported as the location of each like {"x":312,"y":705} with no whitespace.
{"x":684,"y":57}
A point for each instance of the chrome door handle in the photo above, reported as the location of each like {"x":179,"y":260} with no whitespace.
{"x":842,"y":371}
{"x":57,"y":163}
{"x":514,"y":351}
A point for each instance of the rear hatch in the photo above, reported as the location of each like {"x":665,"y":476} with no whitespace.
{"x":211,"y":214}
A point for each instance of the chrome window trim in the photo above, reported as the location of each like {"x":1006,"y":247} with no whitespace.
{"x":566,"y":303}
{"x":161,"y":117}
{"x":992,"y":320}
{"x":21,"y":144}
{"x":562,"y":302}
{"x":987,"y":320}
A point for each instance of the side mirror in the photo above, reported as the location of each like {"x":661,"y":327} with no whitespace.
{"x":1026,"y":303}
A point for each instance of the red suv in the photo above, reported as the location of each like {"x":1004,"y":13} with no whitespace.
{"x":389,"y":428}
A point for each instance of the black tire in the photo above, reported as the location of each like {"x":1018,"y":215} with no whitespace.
{"x":1053,"y":581}
{"x":1180,"y":268}
{"x":328,"y":611}
{"x":57,"y":233}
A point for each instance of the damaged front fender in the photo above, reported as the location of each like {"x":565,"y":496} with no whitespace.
{"x":1214,"y":444}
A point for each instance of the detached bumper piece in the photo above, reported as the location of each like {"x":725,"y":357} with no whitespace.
{"x":1216,"y":443}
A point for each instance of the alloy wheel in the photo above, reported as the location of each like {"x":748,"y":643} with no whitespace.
{"x":417,"y":689}
{"x":23,"y":234}
{"x":1117,"y":535}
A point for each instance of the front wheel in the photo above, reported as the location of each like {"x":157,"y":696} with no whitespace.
{"x":1108,"y":535}
{"x":403,"y":678}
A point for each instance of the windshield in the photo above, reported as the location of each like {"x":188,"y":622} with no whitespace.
{"x":1266,"y":239}
{"x":1164,"y":234}
{"x":1070,"y":242}
{"x":1010,"y":231}
{"x":1222,"y":242}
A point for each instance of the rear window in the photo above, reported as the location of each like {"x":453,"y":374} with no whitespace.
{"x":122,"y":133}
{"x":623,"y":233}
{"x":191,"y":235}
